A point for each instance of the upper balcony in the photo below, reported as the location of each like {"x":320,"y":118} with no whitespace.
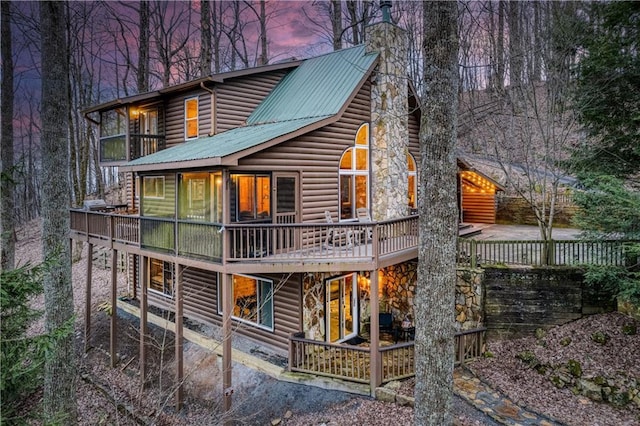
{"x":127,"y":133}
{"x":294,"y":247}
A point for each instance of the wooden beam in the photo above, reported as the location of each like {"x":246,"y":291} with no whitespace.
{"x":374,"y":334}
{"x":179,"y":345}
{"x":144,"y":268}
{"x":113,"y":341}
{"x":87,"y":300}
{"x":227,"y":389}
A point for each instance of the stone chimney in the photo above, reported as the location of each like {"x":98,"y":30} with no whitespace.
{"x":389,"y":134}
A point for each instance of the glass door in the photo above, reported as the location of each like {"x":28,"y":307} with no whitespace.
{"x":341,"y":296}
{"x":285,"y":210}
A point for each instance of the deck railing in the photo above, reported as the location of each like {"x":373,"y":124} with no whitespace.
{"x":353,"y":363}
{"x":537,"y":252}
{"x":328,"y":359}
{"x":398,"y":361}
{"x":281,"y":242}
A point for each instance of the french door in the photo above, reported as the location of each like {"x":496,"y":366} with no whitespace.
{"x":341,"y":308}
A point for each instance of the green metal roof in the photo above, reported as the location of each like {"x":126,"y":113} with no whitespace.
{"x":226,"y":143}
{"x":317,"y":90}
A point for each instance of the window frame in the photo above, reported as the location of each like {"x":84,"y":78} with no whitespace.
{"x":188,"y":119}
{"x":167,"y":268}
{"x":361,"y":145}
{"x":255,"y":197}
{"x":144,"y":187}
{"x":259,"y":306}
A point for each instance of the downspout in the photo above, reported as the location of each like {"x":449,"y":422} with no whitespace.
{"x":213,"y":108}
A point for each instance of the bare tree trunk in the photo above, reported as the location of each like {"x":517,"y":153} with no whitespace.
{"x":336,"y":23}
{"x":205,"y":37}
{"x":59,"y":381}
{"x":264,"y":56}
{"x":7,"y":210}
{"x":438,"y":221}
{"x":515,"y":45}
{"x":143,"y":48}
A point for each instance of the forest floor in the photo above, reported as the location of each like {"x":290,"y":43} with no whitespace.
{"x":114,"y":395}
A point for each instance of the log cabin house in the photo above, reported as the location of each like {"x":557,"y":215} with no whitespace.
{"x":277,"y":200}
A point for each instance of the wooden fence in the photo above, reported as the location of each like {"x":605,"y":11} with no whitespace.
{"x":537,"y":252}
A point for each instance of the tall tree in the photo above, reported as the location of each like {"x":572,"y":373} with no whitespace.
{"x":205,"y":37}
{"x":608,"y":93}
{"x":59,"y":383}
{"x":7,"y":175}
{"x":438,"y":217}
{"x":143,"y":48}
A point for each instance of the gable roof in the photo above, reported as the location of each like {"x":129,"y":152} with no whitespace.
{"x":310,"y":96}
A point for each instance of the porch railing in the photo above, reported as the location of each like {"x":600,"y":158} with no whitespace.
{"x":353,"y":363}
{"x":247,"y":242}
{"x":538,"y":252}
{"x":327,"y":359}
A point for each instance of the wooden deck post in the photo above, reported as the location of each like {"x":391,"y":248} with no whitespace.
{"x":227,"y":390}
{"x":87,"y":300}
{"x":374,"y":334}
{"x":144,"y":265}
{"x":179,"y":344}
{"x":113,"y":341}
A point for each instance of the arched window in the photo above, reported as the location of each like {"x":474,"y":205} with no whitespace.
{"x":354,"y":175}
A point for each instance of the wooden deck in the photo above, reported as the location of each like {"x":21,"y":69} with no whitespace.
{"x":294,"y":247}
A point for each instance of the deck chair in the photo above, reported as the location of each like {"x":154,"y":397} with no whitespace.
{"x":363,"y":217}
{"x":336,"y":236}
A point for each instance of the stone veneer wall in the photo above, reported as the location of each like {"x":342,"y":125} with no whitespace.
{"x":398,"y":285}
{"x":389,"y":121}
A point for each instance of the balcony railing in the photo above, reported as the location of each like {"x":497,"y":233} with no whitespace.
{"x":141,"y":145}
{"x":277,"y":243}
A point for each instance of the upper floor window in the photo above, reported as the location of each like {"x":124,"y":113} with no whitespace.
{"x":113,"y":135}
{"x":354,"y":175}
{"x":191,"y":118}
{"x":251,"y":197}
{"x":153,"y":186}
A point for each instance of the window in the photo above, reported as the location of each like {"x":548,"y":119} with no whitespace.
{"x":251,"y":196}
{"x":354,"y":175}
{"x":113,"y":135}
{"x":161,"y":277}
{"x":252,"y":300}
{"x":191,"y":118}
{"x":413,"y":176}
{"x":194,"y":198}
{"x":153,"y":187}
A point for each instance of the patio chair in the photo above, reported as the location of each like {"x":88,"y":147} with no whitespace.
{"x":363,"y":217}
{"x":336,"y":236}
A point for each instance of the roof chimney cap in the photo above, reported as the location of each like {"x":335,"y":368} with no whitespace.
{"x":385,"y":6}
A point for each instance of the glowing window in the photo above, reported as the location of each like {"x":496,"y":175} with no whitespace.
{"x":191,"y":118}
{"x":354,"y":175}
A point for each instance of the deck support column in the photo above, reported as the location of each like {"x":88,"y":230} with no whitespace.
{"x":227,"y":390}
{"x":87,"y":300}
{"x":113,"y":341}
{"x":179,"y":338}
{"x":374,"y":334}
{"x":144,"y":279}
